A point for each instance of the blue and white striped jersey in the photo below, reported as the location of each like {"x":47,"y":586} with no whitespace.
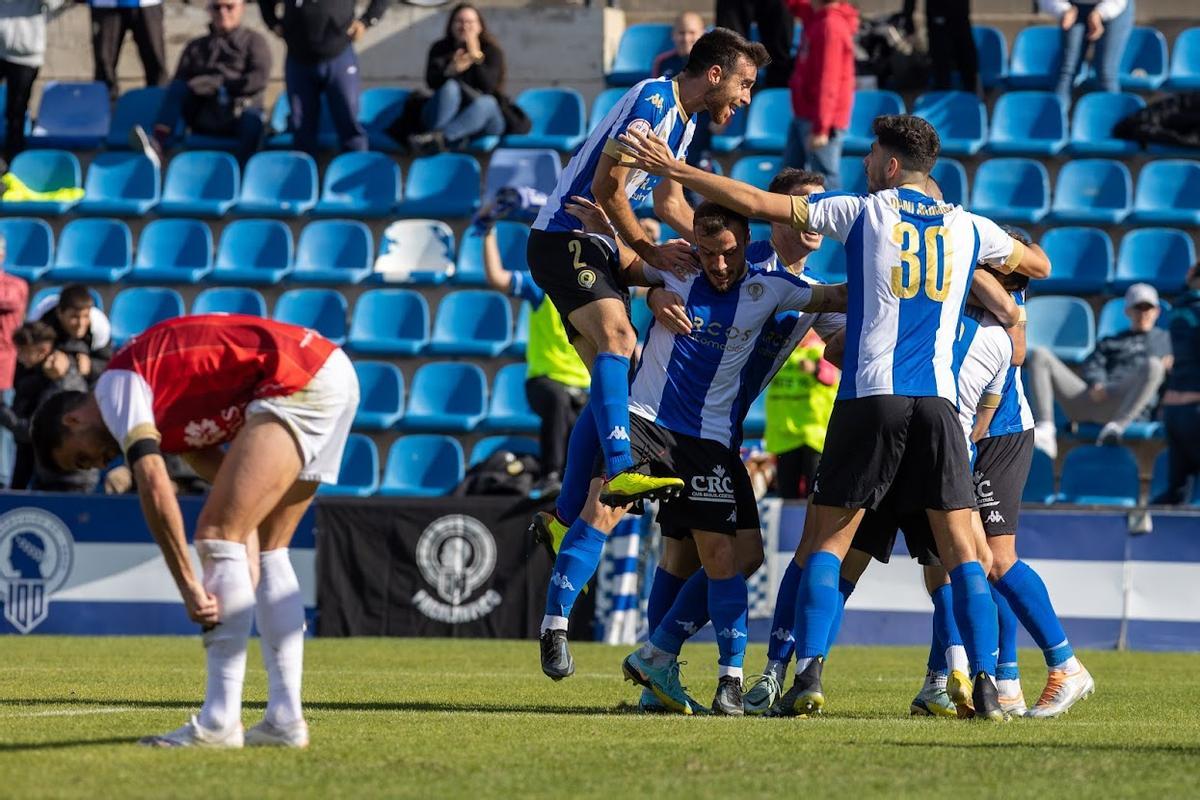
{"x":982,"y":355}
{"x":652,"y":105}
{"x":909,"y":263}
{"x":1014,"y":414}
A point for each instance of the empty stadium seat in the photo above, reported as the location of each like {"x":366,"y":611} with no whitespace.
{"x":254,"y":251}
{"x":472,"y":322}
{"x":135,"y":310}
{"x":756,"y":170}
{"x":605,"y":102}
{"x":280,"y":135}
{"x":1011,"y":190}
{"x":29,"y":247}
{"x":1064,"y":325}
{"x":639,"y":46}
{"x":1082,"y":259}
{"x":381,"y":395}
{"x":853,"y":175}
{"x":1039,"y":483}
{"x":511,"y":239}
{"x":558,"y":120}
{"x":359,"y":473}
{"x":1144,"y":62}
{"x":389,"y":322}
{"x":173,"y":251}
{"x":1185,"y":62}
{"x":1092,"y":191}
{"x":509,"y":410}
{"x":729,"y":139}
{"x":517,"y":445}
{"x":334,"y":251}
{"x":768,"y":120}
{"x":378,"y":108}
{"x":539,"y":169}
{"x":134,"y":107}
{"x":1158,"y":479}
{"x":416,"y":250}
{"x":93,"y":251}
{"x":230,"y":300}
{"x":360,"y":185}
{"x":280,"y":184}
{"x":1168,"y":193}
{"x":951,"y":176}
{"x":1035,"y":58}
{"x":1157,"y":256}
{"x":992,"y":49}
{"x":120,"y":184}
{"x":1028,"y":123}
{"x":422,"y":466}
{"x":1093,"y":119}
{"x":1099,"y":476}
{"x":869,"y":104}
{"x":321,"y":310}
{"x":445,"y":185}
{"x":959,"y":118}
{"x":45,"y":171}
{"x":829,"y":262}
{"x":520,"y":340}
{"x":1113,"y":320}
{"x":446,"y":396}
{"x":73,"y":116}
{"x":200,"y":183}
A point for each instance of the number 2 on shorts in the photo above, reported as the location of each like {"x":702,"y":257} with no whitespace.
{"x":576,"y":248}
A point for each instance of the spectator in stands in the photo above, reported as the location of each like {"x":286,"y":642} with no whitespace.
{"x":218,"y":85}
{"x":1120,"y":378}
{"x":689,"y":26}
{"x":88,"y":348}
{"x":1181,"y":402}
{"x":22,"y":51}
{"x":111,"y":20}
{"x":14,"y":296}
{"x":950,"y":40}
{"x":822,"y":87}
{"x":321,"y":62}
{"x":774,"y":31}
{"x":1105,"y":25}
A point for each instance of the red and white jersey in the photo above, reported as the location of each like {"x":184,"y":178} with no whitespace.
{"x":186,"y":382}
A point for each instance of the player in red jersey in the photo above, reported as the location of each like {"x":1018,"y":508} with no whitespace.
{"x":283,"y":398}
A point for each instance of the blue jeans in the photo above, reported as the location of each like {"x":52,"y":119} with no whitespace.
{"x":1106,"y":55}
{"x":179,"y":103}
{"x":446,"y":112}
{"x":825,"y":160}
{"x":338,"y":80}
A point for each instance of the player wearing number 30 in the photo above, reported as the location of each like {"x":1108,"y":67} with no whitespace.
{"x":910,"y":261}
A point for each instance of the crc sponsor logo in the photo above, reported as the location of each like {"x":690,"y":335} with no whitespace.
{"x":984,"y":496}
{"x":36,"y":553}
{"x":457,"y":556}
{"x":714,"y":488}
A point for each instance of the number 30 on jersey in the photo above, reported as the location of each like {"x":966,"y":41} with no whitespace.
{"x":907,"y":276}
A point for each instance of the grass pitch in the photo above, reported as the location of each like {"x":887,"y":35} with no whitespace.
{"x":434,"y":719}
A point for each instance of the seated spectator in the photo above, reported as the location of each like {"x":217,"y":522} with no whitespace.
{"x":1181,"y":402}
{"x":218,"y":86}
{"x":88,"y":345}
{"x":1104,"y":26}
{"x":1120,"y":378}
{"x":689,"y":26}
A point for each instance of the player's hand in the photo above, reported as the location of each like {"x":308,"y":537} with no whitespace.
{"x":590,"y":214}
{"x":648,"y":152}
{"x":1095,"y":26}
{"x":669,"y":310}
{"x":818,"y":140}
{"x":1068,"y":18}
{"x":676,"y":256}
{"x":356,"y":30}
{"x":1098,"y":393}
{"x":201,"y":606}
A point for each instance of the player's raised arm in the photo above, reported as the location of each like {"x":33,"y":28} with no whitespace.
{"x":988,"y":292}
{"x":596,"y":221}
{"x":1008,"y":253}
{"x":828,"y":298}
{"x":608,"y":187}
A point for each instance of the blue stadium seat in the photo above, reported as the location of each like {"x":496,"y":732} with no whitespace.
{"x":510,"y":409}
{"x":517,"y":445}
{"x":472,"y":322}
{"x":135,"y":310}
{"x":334,"y":251}
{"x":1099,"y":476}
{"x":278,"y":185}
{"x":605,"y":102}
{"x":959,"y":118}
{"x":992,"y":48}
{"x":1138,"y":431}
{"x":1144,"y":62}
{"x":511,"y":238}
{"x":1035,"y":58}
{"x":1064,"y":325}
{"x":1011,"y":190}
{"x":1039,"y":483}
{"x":29,"y":247}
{"x":520,"y":340}
{"x":539,"y":169}
{"x":279,"y":133}
{"x":768,"y":120}
{"x":422,"y":466}
{"x":559,"y":120}
{"x":360,"y":185}
{"x":359,"y":473}
{"x":1092,"y":191}
{"x":446,"y":396}
{"x":639,"y":46}
{"x":641,"y":315}
{"x":381,"y":395}
{"x":1158,"y":478}
{"x":730,"y":138}
{"x":45,"y":171}
{"x":230,"y":300}
{"x":1168,"y":193}
{"x":1028,"y":123}
{"x":1185,"y":62}
{"x":173,"y":251}
{"x":73,"y":116}
{"x":416,"y":251}
{"x":1082,"y":259}
{"x":756,"y":170}
{"x":756,"y":418}
{"x":869,"y":104}
{"x":1093,"y":119}
{"x":1157,"y":256}
{"x":1113,"y":319}
{"x":445,"y":185}
{"x":254,"y":251}
{"x":200,"y":183}
{"x":93,"y":251}
{"x":951,"y":176}
{"x":853,"y":175}
{"x":378,"y":108}
{"x":134,"y":107}
{"x":829,"y":262}
{"x":120,"y":184}
{"x":389,"y":322}
{"x":321,"y":310}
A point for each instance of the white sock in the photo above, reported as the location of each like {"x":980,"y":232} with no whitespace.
{"x":1009,"y":688}
{"x":723,"y":670}
{"x":226,"y":577}
{"x":1069,"y":666}
{"x":956,"y":659}
{"x":802,"y":663}
{"x":553,"y":623}
{"x":656,"y":655}
{"x":280,"y":617}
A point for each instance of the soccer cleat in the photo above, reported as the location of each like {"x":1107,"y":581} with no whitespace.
{"x":958,"y":688}
{"x":727,"y":702}
{"x":932,"y":700}
{"x":193,"y":734}
{"x":764,"y":693}
{"x":663,"y":681}
{"x":986,"y":700}
{"x":649,"y":703}
{"x":264,"y":734}
{"x":805,"y":698}
{"x":1013,"y":704}
{"x":557,"y":662}
{"x":548,"y":531}
{"x":1063,"y":690}
{"x":628,"y":487}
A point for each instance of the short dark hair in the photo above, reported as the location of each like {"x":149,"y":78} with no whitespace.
{"x":1010,"y":281}
{"x":709,"y":219}
{"x":75,"y":297}
{"x":911,"y":139}
{"x":789,"y":179}
{"x":33,"y":333}
{"x":722,"y":47}
{"x":46,"y":429}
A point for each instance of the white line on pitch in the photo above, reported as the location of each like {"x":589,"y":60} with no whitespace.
{"x":69,"y":712}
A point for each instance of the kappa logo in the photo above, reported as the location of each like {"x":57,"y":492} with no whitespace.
{"x":783,"y":635}
{"x":732,"y":516}
{"x":619,"y":434}
{"x":457,"y":556}
{"x":36,"y":553}
{"x":688,"y":626}
{"x":562,"y":582}
{"x":995,"y":517}
{"x":730,"y":633}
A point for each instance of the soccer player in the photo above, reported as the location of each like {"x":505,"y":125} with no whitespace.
{"x":283,"y":398}
{"x":910,"y":260}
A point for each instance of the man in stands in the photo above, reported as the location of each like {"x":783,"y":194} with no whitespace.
{"x":687,"y":30}
{"x":76,"y":333}
{"x":283,"y":398}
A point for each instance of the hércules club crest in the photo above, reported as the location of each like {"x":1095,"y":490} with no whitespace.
{"x":36,"y":551}
{"x":456,"y":555}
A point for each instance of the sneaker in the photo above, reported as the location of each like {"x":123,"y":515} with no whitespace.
{"x":265,"y":734}
{"x":628,"y":487}
{"x":1045,"y":438}
{"x":557,"y":662}
{"x":932,"y":700}
{"x":142,"y":142}
{"x":959,"y":689}
{"x":427,"y":144}
{"x":193,"y":734}
{"x":663,"y":680}
{"x":805,"y":698}
{"x":649,"y":703}
{"x":986,"y":700}
{"x":1063,"y":690}
{"x":764,"y":692}
{"x":727,"y":702}
{"x":1110,"y":434}
{"x":1013,"y":704}
{"x":548,"y":531}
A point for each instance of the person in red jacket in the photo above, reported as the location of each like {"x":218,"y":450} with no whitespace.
{"x":822,"y":87}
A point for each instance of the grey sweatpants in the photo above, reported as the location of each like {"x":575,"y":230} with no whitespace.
{"x":1050,"y":379}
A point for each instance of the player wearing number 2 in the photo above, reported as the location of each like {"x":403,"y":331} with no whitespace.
{"x":910,"y":260}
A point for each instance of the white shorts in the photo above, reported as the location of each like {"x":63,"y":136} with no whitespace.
{"x":319,"y":416}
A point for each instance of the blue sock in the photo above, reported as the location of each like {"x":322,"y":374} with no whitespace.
{"x":816,"y":603}
{"x":573,"y":568}
{"x":582,"y":448}
{"x":1026,"y":593}
{"x":976,"y":616}
{"x":610,"y":408}
{"x":1006,"y":666}
{"x":728,"y":601}
{"x":845,"y":589}
{"x":945,"y":629}
{"x":781,"y":644}
{"x":687,"y":615}
{"x":663,"y":592}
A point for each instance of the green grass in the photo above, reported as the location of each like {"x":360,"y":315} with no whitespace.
{"x":433,"y":719}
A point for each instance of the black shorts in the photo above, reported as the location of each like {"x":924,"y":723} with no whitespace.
{"x":1001,"y":468}
{"x":794,"y":472}
{"x":574,"y":270}
{"x":874,"y":441}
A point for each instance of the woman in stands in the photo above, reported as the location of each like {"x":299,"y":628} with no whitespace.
{"x":1105,"y":26}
